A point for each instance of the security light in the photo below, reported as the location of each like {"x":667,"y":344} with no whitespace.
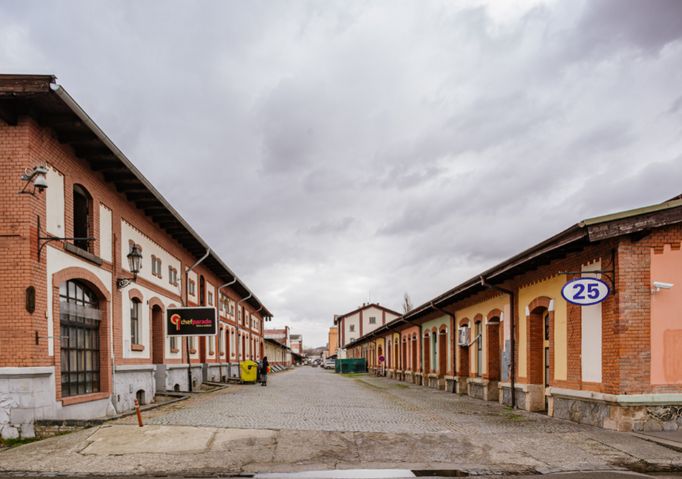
{"x":659,"y":285}
{"x":40,"y":183}
{"x":35,"y":175}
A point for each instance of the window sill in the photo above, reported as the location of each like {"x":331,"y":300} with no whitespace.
{"x":84,"y":398}
{"x":137,"y":347}
{"x":174,"y":350}
{"x":192,"y":351}
{"x":71,"y":248}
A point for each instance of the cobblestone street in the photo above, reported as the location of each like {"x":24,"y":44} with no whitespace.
{"x":313,"y":419}
{"x":318,"y":400}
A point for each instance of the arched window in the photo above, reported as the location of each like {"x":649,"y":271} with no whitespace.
{"x":82,"y":217}
{"x":79,"y":318}
{"x":135,"y":321}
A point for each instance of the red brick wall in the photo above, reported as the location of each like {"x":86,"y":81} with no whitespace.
{"x":626,"y":325}
{"x":24,"y":146}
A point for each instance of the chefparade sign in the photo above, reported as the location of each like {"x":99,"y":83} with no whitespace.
{"x":191,"y":321}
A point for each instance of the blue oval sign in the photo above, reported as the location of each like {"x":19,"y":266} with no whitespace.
{"x":585,"y":291}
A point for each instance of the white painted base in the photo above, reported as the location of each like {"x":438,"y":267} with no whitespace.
{"x":28,"y":394}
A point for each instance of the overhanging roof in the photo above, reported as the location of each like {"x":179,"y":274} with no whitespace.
{"x":637,"y":221}
{"x":40,"y":97}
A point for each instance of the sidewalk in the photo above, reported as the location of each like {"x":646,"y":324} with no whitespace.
{"x":669,"y":439}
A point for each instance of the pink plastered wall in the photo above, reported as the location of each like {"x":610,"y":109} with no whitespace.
{"x":666,"y":318}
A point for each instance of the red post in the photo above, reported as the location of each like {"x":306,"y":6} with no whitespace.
{"x":139,"y":413}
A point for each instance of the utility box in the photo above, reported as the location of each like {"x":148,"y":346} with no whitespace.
{"x":351,"y":365}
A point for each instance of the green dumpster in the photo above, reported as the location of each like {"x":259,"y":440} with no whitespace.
{"x":351,"y":365}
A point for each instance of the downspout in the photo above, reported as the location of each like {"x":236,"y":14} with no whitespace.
{"x":220,"y":288}
{"x":452,"y":342}
{"x":260,"y":334}
{"x":237,"y":322}
{"x":189,"y":356}
{"x":512,"y":342}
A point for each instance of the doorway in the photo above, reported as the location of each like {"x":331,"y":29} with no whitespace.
{"x":158,"y":336}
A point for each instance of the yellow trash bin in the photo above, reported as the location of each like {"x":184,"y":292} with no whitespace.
{"x":248,"y":371}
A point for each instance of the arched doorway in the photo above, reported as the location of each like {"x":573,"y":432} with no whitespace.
{"x":494,"y":348}
{"x":434,"y":352}
{"x":79,"y":321}
{"x":442,"y":353}
{"x":427,"y":359}
{"x":158,"y":335}
{"x":463,"y":371}
{"x":539,"y":362}
{"x":404,"y":355}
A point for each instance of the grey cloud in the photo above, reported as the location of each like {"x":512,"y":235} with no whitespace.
{"x":334,"y":152}
{"x":327,"y":227}
{"x":649,"y":25}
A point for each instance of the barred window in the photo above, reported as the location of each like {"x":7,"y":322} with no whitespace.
{"x":79,"y":317}
{"x":135,"y":321}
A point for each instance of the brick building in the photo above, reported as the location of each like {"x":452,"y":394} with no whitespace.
{"x":282,"y":335}
{"x":511,"y":335}
{"x":278,"y":354}
{"x":332,"y":341}
{"x":296,"y":343}
{"x":80,"y":336}
{"x":360,"y":321}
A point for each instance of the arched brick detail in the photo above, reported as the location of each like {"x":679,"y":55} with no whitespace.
{"x":478,"y":318}
{"x":495,"y":313}
{"x":134,"y":293}
{"x":464,"y":322}
{"x":82,"y":274}
{"x":539,"y":302}
{"x":98,"y":287}
{"x":155,"y":301}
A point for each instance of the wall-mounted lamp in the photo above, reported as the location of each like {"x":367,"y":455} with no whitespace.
{"x":134,"y":264}
{"x":659,"y":285}
{"x":35,"y":176}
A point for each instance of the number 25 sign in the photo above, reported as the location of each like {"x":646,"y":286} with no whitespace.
{"x":585,"y":291}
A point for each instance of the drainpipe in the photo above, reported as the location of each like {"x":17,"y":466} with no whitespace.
{"x":220,"y":288}
{"x":237,"y":322}
{"x":452,"y":336}
{"x":261,"y":307}
{"x":512,"y":343}
{"x":189,"y":356}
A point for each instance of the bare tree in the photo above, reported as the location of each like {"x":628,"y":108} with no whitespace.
{"x":407,"y":304}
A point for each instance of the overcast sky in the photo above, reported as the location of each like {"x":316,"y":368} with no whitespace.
{"x":338,"y":152}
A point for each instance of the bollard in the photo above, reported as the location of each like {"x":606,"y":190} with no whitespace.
{"x":139,"y":413}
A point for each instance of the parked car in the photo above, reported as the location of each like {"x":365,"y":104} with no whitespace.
{"x":329,"y":364}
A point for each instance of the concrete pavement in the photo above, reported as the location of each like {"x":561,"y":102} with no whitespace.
{"x":312,"y":419}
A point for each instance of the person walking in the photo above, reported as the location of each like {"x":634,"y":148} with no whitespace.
{"x":264,"y":370}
